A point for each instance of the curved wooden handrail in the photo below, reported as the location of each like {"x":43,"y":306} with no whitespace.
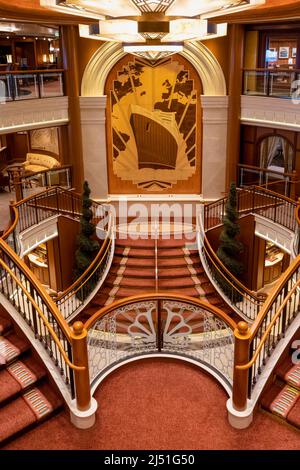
{"x":13,"y":225}
{"x":273,"y":295}
{"x":42,"y":316}
{"x":95,"y":263}
{"x":268,"y":330}
{"x":78,"y":284}
{"x":272,"y":193}
{"x":263,"y":170}
{"x":222,"y":269}
{"x":218,"y":263}
{"x":159,"y":296}
{"x":297,"y":214}
{"x":39,"y":288}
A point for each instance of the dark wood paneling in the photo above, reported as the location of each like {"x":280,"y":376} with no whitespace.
{"x":236,"y":59}
{"x":68,"y":230}
{"x":247,"y":237}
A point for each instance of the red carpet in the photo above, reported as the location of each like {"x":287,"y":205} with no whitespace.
{"x":160,"y":404}
{"x":282,"y":398}
{"x":25,"y":396}
{"x":132,"y":273}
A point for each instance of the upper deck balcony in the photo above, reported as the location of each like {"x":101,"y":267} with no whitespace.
{"x":31,"y":98}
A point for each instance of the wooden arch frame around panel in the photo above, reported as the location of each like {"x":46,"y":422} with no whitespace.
{"x":205,"y":63}
{"x":275,"y":133}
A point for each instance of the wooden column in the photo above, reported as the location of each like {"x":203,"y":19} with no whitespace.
{"x":236,"y":54}
{"x":242,"y":336}
{"x":80,"y":358}
{"x":54,"y":264}
{"x":74,"y":156}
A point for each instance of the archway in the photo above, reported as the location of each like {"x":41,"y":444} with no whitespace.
{"x":214,"y":103}
{"x":207,"y":66}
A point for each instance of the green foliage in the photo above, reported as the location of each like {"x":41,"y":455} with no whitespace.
{"x":87,"y":247}
{"x":230,"y":248}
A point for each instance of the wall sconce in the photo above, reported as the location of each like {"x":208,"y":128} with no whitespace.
{"x":51,"y":58}
{"x":45,"y":58}
{"x":9,"y":58}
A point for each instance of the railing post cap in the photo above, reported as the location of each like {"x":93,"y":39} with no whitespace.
{"x":78,"y":328}
{"x":12,"y":202}
{"x":242,"y":328}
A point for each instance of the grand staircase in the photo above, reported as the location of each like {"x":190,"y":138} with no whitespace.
{"x":179,"y":270}
{"x":282,"y":398}
{"x":26,"y":396}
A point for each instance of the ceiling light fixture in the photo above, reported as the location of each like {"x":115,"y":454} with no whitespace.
{"x":160,"y":25}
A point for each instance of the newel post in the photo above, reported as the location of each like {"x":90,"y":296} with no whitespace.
{"x":240,"y":409}
{"x":83,"y":408}
{"x":17,"y":181}
{"x":242,"y":336}
{"x":80,"y":358}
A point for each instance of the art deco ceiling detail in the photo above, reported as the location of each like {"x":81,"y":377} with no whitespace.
{"x":151,"y":27}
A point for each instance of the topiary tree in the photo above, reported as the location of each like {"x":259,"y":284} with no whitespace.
{"x":87,"y":247}
{"x":230,"y":248}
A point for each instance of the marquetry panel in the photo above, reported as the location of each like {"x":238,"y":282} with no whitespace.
{"x":153,"y":127}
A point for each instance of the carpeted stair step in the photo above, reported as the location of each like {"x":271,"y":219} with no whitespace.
{"x":32,"y":407}
{"x":147,"y":272}
{"x":135,"y":253}
{"x":137,"y":262}
{"x":143,"y":243}
{"x":178,"y":262}
{"x":280,"y":400}
{"x":11,"y":347}
{"x":289,"y":373}
{"x":179,"y":272}
{"x":294,"y":415}
{"x":18,"y":376}
{"x":113,"y":280}
{"x":170,"y":253}
{"x":178,"y":283}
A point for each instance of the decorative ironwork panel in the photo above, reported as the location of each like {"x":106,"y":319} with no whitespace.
{"x":190,"y":330}
{"x":126,"y":331}
{"x":164,"y":327}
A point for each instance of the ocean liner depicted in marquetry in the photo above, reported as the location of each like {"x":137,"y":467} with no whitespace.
{"x":152,"y":126}
{"x":157,"y":138}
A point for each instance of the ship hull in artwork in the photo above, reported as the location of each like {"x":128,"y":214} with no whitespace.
{"x":157,"y":138}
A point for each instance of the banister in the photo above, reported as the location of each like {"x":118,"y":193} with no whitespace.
{"x":222,"y":268}
{"x":284,"y":278}
{"x":37,"y":308}
{"x":297,"y":213}
{"x":12,"y":228}
{"x":95,"y":263}
{"x":42,"y":293}
{"x":263,"y":170}
{"x":159,"y":296}
{"x":268,"y":329}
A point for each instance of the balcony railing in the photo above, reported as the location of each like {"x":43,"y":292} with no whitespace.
{"x":282,"y":183}
{"x":31,"y":84}
{"x":275,"y":83}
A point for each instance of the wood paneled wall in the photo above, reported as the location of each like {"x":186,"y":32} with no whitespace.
{"x":247,"y":237}
{"x":251,"y":136}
